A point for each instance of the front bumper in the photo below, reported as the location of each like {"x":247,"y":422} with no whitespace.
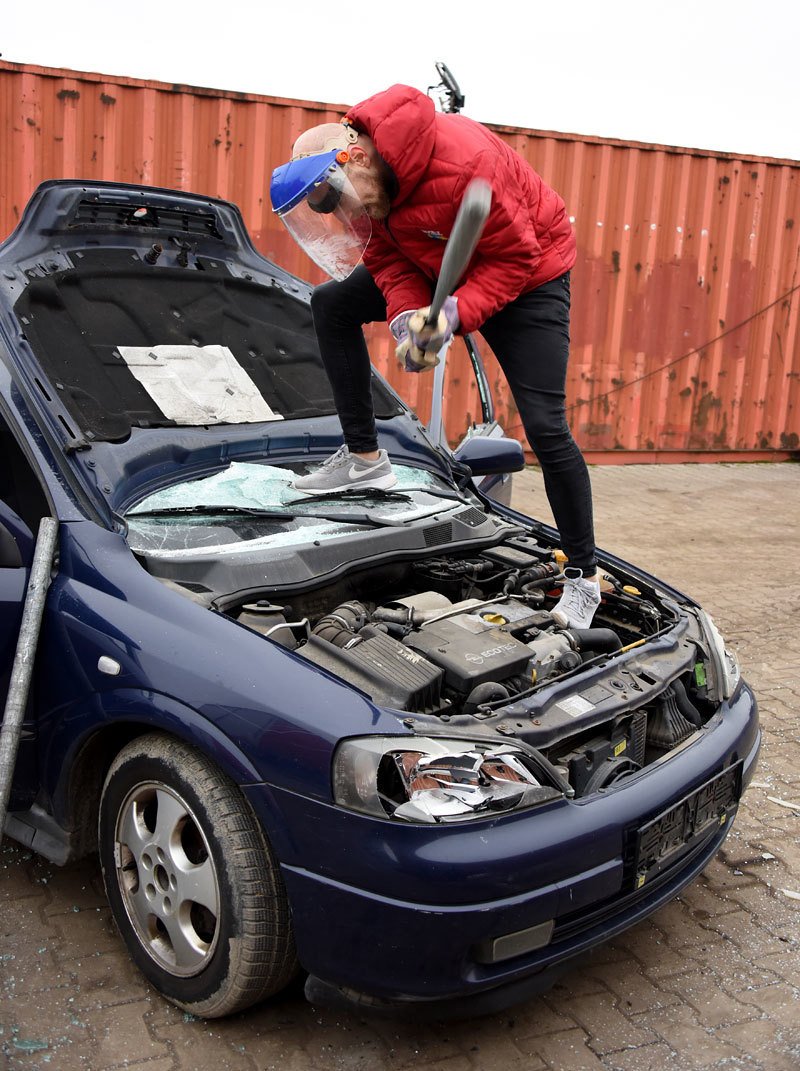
{"x":536,"y":975}
{"x":398,"y":915}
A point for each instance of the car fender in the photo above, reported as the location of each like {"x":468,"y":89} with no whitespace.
{"x":112,"y":629}
{"x":114,"y":718}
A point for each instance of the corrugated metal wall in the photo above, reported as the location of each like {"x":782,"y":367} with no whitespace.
{"x":685,"y":294}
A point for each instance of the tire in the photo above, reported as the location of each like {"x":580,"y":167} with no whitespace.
{"x":193,"y":885}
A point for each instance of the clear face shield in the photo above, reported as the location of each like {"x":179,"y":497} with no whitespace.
{"x":322,"y":211}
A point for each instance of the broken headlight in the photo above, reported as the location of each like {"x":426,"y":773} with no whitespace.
{"x":422,"y":779}
{"x":724,"y":668}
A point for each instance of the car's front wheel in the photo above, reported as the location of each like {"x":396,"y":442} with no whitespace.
{"x":191,"y":879}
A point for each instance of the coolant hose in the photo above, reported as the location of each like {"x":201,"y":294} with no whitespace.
{"x":594,"y":639}
{"x":535,"y":586}
{"x":394,"y":617}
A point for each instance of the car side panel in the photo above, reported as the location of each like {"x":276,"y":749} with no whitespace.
{"x":270,"y":705}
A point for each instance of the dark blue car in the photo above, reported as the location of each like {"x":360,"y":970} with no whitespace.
{"x":340,"y":735}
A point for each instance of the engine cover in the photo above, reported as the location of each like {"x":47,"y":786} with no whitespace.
{"x":469,"y":653}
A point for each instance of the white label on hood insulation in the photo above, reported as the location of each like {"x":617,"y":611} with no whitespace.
{"x":197,"y":384}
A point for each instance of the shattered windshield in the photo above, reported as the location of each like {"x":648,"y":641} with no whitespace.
{"x":249,"y":502}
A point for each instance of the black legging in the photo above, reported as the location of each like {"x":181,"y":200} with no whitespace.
{"x":530,"y":338}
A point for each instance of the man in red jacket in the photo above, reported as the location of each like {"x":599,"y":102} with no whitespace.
{"x":384,"y":185}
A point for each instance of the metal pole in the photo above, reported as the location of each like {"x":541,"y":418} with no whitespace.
{"x":436,"y":422}
{"x":22,"y":669}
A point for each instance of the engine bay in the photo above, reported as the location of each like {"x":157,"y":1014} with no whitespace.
{"x":462,"y":637}
{"x":440,"y":610}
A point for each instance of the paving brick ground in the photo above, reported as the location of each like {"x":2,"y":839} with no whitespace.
{"x":710,"y":981}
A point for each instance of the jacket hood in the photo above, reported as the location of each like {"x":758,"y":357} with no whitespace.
{"x":386,"y":118}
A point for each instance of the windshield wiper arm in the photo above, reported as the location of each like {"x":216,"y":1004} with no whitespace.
{"x":355,"y":495}
{"x":170,"y":511}
{"x":272,"y":514}
{"x":377,"y":493}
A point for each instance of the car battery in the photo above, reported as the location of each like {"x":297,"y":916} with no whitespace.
{"x":512,"y":557}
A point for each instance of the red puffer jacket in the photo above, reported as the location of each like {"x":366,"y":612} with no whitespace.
{"x":527,"y":240}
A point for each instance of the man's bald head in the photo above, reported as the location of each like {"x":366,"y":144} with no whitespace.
{"x":365,"y":168}
{"x":324,"y":138}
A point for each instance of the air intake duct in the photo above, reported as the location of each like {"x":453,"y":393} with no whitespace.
{"x":602,"y":640}
{"x":666,"y":726}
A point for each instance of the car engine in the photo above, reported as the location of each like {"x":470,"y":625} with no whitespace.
{"x":467,"y":635}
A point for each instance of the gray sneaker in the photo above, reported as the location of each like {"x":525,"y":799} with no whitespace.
{"x":581,"y":597}
{"x":344,"y":471}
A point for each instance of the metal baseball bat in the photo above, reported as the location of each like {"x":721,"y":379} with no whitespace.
{"x":467,"y":229}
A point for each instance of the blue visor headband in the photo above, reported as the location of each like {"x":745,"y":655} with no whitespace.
{"x":293,"y":182}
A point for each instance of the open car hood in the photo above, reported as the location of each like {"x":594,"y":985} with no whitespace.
{"x":146,"y":334}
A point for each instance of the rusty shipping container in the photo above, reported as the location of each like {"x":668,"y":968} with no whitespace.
{"x":685,"y":293}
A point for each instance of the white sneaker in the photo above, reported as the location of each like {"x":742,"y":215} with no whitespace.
{"x":344,"y":471}
{"x":581,"y":597}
